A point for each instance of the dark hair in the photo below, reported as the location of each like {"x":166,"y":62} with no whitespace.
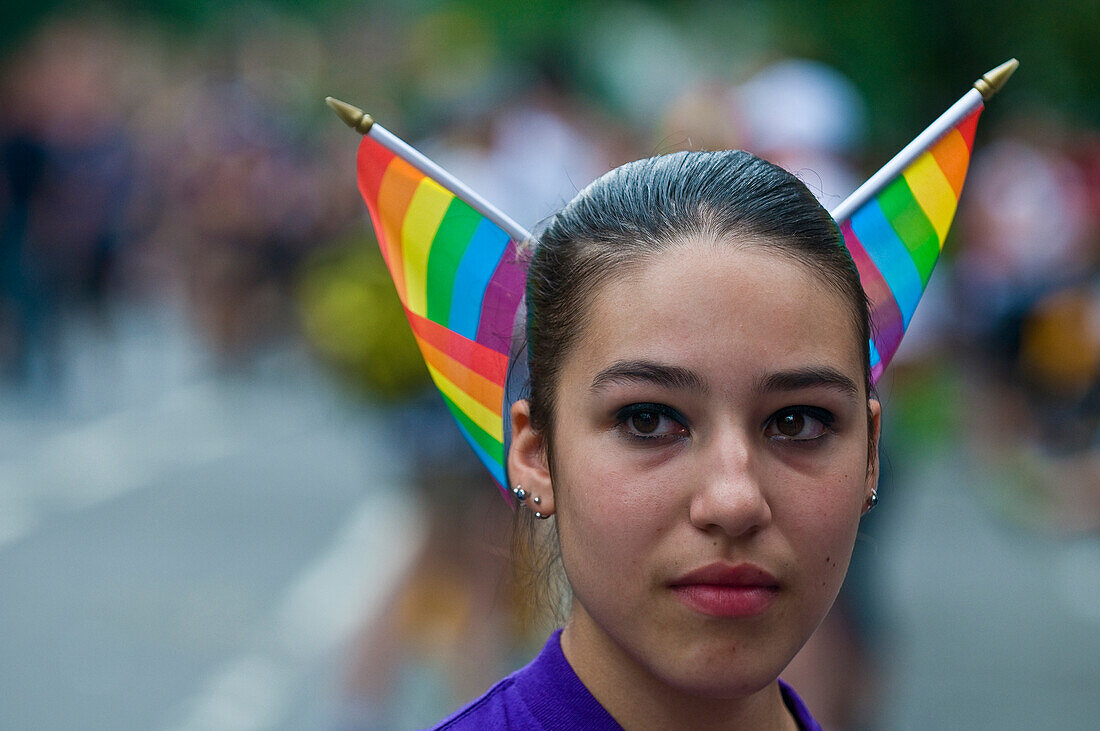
{"x":642,"y":208}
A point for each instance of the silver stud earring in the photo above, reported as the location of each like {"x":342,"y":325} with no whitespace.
{"x":537,"y":500}
{"x":519,"y":492}
{"x":872,"y":501}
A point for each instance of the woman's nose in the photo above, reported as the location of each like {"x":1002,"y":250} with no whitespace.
{"x":730,"y":495}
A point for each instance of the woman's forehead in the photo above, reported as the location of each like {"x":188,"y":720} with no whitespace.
{"x":742,"y":309}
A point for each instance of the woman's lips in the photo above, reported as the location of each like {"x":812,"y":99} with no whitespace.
{"x":722,"y":590}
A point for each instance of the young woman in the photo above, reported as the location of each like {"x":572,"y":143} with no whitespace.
{"x":700,"y":430}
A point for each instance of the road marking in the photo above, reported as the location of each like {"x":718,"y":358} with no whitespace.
{"x":317,"y":614}
{"x":100,"y":460}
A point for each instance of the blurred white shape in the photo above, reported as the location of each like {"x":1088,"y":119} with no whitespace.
{"x":353,"y":578}
{"x":543,"y":160}
{"x":342,"y":589}
{"x":247,"y":695}
{"x":1030,"y":212}
{"x":801,"y":104}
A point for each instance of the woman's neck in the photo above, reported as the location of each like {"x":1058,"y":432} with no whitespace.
{"x":637,"y":699}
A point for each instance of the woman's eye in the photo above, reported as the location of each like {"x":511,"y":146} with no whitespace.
{"x":651,"y":421}
{"x":799,"y":424}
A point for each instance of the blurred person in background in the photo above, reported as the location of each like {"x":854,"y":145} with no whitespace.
{"x":68,"y":160}
{"x":239,"y":214}
{"x":1027,"y":280}
{"x":20,"y":294}
{"x":990,"y":542}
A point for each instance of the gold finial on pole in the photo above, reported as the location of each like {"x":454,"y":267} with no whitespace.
{"x":353,"y":117}
{"x":992,"y":81}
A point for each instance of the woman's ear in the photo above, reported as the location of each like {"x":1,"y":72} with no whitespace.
{"x":528,"y":462}
{"x":874,"y":427}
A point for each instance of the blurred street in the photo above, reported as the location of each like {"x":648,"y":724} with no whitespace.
{"x":183,"y":548}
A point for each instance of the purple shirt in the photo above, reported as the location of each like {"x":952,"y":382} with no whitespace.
{"x":547,"y":694}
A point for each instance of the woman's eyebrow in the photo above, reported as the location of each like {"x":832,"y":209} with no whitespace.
{"x":644,"y":371}
{"x":812,"y":377}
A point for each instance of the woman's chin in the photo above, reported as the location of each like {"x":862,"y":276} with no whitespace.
{"x":721,"y":677}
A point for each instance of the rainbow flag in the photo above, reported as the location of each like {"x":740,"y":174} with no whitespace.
{"x":896,"y":237}
{"x":458,"y":276}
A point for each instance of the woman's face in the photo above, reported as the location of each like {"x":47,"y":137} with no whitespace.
{"x":709,"y":467}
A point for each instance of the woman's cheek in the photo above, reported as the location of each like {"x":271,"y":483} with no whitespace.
{"x":829,"y":547}
{"x":606,"y":511}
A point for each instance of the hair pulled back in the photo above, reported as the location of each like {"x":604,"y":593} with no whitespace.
{"x":645,"y":207}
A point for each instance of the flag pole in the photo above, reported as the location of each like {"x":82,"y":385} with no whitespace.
{"x":364,"y":124}
{"x":984,"y":88}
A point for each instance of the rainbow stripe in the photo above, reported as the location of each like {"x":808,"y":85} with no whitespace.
{"x":896,"y":237}
{"x":461,"y":283}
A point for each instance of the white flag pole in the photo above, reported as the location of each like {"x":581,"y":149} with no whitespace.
{"x":984,"y":88}
{"x":362,"y":122}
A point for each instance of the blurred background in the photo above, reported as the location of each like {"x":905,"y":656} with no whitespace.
{"x":229,"y":498}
